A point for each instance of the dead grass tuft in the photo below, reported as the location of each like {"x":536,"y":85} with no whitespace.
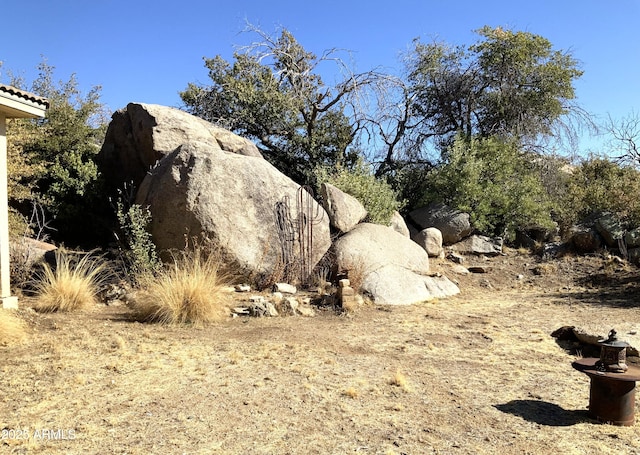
{"x":400,"y":380}
{"x":356,"y":275}
{"x":119,"y":343}
{"x":191,"y":291}
{"x":12,"y":328}
{"x":351,"y":392}
{"x":72,"y":284}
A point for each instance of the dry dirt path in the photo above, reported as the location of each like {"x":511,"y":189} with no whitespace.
{"x":475,"y":374}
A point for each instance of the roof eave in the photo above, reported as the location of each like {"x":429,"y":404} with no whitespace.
{"x":17,"y":107}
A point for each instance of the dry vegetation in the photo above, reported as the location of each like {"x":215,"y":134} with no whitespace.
{"x":71,"y":285}
{"x":12,"y":328}
{"x":190,"y":291}
{"x":475,"y":374}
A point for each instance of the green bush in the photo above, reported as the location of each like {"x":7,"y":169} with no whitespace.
{"x":377,"y":196}
{"x":52,"y":159}
{"x":491,"y":180}
{"x":141,"y":259}
{"x":600,"y":185}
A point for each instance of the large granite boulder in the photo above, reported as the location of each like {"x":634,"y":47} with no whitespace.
{"x":398,"y":224}
{"x":454,"y":224}
{"x":142,"y":134}
{"x":344,"y":210}
{"x":395,"y":269}
{"x":238,"y":202}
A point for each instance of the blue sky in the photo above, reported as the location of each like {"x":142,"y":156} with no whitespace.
{"x":147,"y":51}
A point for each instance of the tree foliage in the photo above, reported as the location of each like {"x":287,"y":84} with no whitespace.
{"x":601,"y":185}
{"x":494,"y":182}
{"x":512,"y":85}
{"x":376,"y":195}
{"x":272,"y":93}
{"x":52,"y":159}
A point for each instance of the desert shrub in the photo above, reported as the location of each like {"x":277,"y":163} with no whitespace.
{"x":492,"y":181}
{"x":140,"y":256}
{"x":191,"y":290}
{"x":356,"y":274}
{"x":376,"y":195}
{"x":54,"y":161}
{"x":601,"y":185}
{"x":72,"y":284}
{"x":12,"y":328}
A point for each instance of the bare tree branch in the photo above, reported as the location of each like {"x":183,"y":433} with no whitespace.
{"x":625,"y":138}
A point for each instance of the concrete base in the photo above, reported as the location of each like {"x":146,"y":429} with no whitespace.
{"x":9,"y":303}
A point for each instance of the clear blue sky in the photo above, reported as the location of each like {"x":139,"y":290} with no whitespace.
{"x":147,"y":51}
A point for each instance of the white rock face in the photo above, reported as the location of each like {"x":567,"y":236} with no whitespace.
{"x":345,"y":211}
{"x":431,"y":240}
{"x":398,"y":224}
{"x":395,"y":268}
{"x":140,"y":135}
{"x":201,"y":191}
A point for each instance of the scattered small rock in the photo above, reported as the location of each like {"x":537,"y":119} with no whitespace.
{"x":479,"y":269}
{"x":289,"y":305}
{"x":284,"y":288}
{"x":306,"y":310}
{"x":460,"y":270}
{"x":455,"y":257}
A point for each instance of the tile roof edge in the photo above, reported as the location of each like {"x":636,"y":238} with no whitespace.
{"x":24,"y":95}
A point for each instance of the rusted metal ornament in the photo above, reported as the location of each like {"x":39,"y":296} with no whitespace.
{"x":613,"y":354}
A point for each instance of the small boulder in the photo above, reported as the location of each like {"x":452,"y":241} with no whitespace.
{"x":394,"y":268}
{"x":454,"y":224}
{"x":344,"y":210}
{"x":632,"y":238}
{"x":554,"y":250}
{"x":306,"y":311}
{"x":393,"y":285}
{"x":479,"y":244}
{"x":431,"y":240}
{"x":585,"y":239}
{"x":455,"y":257}
{"x":610,"y":228}
{"x":634,"y":256}
{"x":284,"y":288}
{"x":460,"y":269}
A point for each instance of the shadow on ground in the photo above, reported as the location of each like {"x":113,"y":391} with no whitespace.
{"x":544,"y":413}
{"x":614,"y":290}
{"x":620,"y":290}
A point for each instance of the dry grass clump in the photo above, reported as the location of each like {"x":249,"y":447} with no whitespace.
{"x":72,"y":284}
{"x":192,"y":290}
{"x":400,"y":380}
{"x":351,"y":392}
{"x":12,"y":329}
{"x":356,"y":275}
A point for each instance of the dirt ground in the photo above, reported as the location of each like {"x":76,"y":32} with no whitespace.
{"x":475,"y":374}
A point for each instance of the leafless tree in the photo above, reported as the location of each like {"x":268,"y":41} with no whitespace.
{"x":624,"y":137}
